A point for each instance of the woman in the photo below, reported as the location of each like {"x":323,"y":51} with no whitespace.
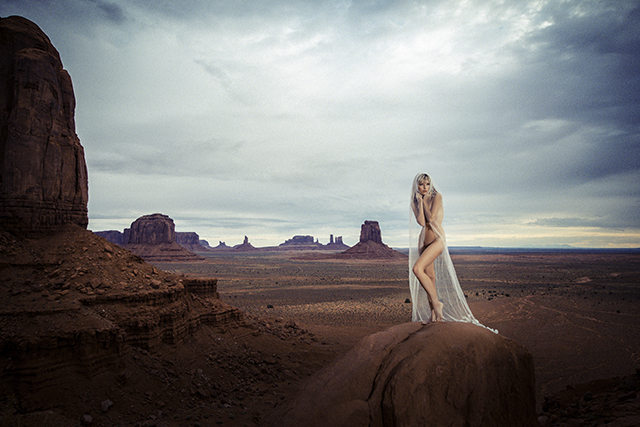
{"x":435,"y":291}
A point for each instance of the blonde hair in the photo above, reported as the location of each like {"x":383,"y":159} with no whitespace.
{"x":422,"y":177}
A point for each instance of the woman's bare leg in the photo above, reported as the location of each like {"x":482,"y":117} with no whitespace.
{"x":424,"y":271}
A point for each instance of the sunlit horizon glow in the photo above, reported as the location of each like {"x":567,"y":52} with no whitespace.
{"x":282,"y":118}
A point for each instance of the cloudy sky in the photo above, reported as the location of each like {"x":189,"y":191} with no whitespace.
{"x":283,"y":117}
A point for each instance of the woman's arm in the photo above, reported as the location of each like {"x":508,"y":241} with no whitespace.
{"x":437,"y":210}
{"x":437,"y":214}
{"x":419,"y":209}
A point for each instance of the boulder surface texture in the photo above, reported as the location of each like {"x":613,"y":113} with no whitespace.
{"x":43,"y":174}
{"x":441,"y":374}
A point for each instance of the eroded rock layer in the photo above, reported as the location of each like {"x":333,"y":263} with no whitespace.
{"x":43,"y":175}
{"x":72,"y":302}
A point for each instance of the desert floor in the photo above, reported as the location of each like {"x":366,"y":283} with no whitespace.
{"x":576,"y":312}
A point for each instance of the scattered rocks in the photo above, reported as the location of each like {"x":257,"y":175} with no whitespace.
{"x":105,"y":405}
{"x":86,"y":420}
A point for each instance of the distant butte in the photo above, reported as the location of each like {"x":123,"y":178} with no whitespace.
{"x":307,"y":242}
{"x":370,"y":245}
{"x":222,"y":246}
{"x":153,"y":237}
{"x":245,"y":246}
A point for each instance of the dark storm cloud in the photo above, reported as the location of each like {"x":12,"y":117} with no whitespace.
{"x":111,"y":11}
{"x":598,"y":53}
{"x":83,"y":13}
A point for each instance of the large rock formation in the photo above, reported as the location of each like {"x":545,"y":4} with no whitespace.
{"x":370,"y":232}
{"x":308,"y":242}
{"x":336,"y":244}
{"x":153,"y":237}
{"x":191,"y":241}
{"x":151,"y":229}
{"x":114,"y":236}
{"x":245,"y":246}
{"x":442,"y":374}
{"x":370,"y":245}
{"x":72,"y":305}
{"x":43,"y":175}
{"x":222,"y":246}
{"x":299,"y":240}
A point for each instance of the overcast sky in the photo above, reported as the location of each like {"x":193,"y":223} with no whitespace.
{"x":276,"y":118}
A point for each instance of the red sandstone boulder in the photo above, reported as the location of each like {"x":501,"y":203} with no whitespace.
{"x":43,"y":175}
{"x":442,"y":374}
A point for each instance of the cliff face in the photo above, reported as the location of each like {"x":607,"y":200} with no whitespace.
{"x":370,"y":231}
{"x":43,"y":174}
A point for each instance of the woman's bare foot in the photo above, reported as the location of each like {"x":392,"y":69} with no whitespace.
{"x":436,"y":311}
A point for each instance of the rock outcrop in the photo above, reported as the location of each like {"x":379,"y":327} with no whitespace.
{"x":114,"y":236}
{"x":71,"y":302}
{"x":370,"y":245}
{"x":442,"y":374}
{"x":153,"y":237}
{"x":370,"y":232}
{"x":191,"y":241}
{"x":245,"y":246}
{"x":309,"y":243}
{"x":222,"y":246}
{"x":152,"y":229}
{"x":72,"y":305}
{"x":336,"y":244}
{"x":299,"y":240}
{"x":43,"y":174}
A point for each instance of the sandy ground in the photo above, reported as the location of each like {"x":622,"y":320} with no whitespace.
{"x":577,"y":313}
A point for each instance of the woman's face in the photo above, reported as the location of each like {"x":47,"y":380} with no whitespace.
{"x":423,"y":187}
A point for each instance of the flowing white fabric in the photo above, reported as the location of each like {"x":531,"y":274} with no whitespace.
{"x":448,"y":287}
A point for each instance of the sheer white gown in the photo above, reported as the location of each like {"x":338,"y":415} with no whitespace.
{"x":448,"y":287}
